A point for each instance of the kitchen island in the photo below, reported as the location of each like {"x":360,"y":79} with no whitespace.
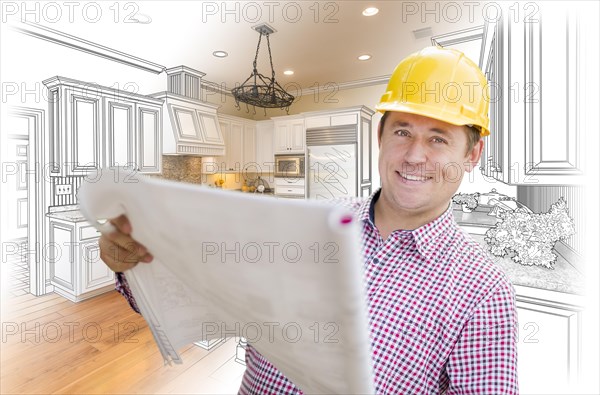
{"x":550,"y":308}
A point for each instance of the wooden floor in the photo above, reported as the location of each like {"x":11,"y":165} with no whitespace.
{"x":100,"y":346}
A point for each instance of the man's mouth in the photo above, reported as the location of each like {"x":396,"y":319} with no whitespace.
{"x":413,"y":177}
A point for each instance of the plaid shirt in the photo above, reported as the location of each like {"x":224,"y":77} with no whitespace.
{"x":442,"y":315}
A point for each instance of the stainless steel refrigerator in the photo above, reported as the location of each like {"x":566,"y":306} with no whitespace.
{"x":332,"y":162}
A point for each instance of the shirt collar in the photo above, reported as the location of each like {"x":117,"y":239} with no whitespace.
{"x":428,"y":237}
{"x":366,"y":211}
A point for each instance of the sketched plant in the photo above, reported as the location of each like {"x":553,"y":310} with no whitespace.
{"x":468,"y":201}
{"x":530,"y":237}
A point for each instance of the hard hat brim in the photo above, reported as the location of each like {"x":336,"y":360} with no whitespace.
{"x":435,"y":113}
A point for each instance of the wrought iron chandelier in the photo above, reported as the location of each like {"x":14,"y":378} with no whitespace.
{"x":259,"y":90}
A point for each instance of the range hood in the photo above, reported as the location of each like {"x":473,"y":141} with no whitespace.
{"x":191,"y":126}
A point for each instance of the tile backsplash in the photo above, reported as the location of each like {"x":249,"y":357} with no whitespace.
{"x":182,"y":168}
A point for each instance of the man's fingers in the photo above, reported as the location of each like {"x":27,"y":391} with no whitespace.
{"x":122,"y":224}
{"x":116,"y":258}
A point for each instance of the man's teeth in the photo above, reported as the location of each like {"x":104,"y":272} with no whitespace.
{"x":414,"y":178}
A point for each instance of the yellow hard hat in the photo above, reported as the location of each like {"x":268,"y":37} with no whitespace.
{"x":439,"y":83}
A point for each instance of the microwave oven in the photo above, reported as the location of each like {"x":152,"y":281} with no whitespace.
{"x":289,"y":166}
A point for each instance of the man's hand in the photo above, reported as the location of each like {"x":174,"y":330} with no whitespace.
{"x":118,"y":250}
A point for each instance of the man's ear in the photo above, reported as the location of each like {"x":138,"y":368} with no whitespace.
{"x":379,"y":133}
{"x":474,"y":155}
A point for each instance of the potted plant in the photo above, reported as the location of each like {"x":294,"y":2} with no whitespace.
{"x":467,"y":201}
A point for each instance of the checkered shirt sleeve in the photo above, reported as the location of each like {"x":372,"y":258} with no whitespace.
{"x":484,"y":358}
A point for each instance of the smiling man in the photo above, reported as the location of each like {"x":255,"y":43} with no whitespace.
{"x":442,"y":315}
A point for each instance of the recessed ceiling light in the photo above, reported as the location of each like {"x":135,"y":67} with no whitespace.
{"x":370,"y":11}
{"x":220,"y":54}
{"x":364,"y":57}
{"x":288,"y":72}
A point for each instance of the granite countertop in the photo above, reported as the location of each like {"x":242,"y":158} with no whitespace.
{"x":565,"y":277}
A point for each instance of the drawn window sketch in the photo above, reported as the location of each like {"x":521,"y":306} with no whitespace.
{"x":149,"y":87}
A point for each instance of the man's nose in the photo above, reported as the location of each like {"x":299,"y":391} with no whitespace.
{"x":416,"y":152}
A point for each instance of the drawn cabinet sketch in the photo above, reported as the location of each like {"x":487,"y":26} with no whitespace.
{"x":148,"y":138}
{"x":548,"y":318}
{"x":535,"y":111}
{"x":93,"y":127}
{"x":76,"y":270}
{"x":74,"y":130}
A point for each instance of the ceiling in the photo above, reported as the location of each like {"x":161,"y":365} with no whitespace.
{"x":320,"y":41}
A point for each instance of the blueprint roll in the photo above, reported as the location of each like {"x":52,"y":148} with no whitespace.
{"x":285,"y":274}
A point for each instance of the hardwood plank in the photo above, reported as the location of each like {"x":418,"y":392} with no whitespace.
{"x":127,"y":362}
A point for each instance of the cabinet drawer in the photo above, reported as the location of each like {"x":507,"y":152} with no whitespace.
{"x":88,"y":232}
{"x":289,"y":190}
{"x":289,"y":182}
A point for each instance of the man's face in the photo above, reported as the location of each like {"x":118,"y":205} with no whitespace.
{"x":422,"y":162}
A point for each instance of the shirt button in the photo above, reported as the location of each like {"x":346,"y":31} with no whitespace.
{"x":376,"y":260}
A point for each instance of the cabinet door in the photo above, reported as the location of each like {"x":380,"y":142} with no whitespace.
{"x":119,"y":126}
{"x":548,"y":348}
{"x":265,"y":149}
{"x":235,"y":155}
{"x":297,"y":136}
{"x":95,"y":274}
{"x":149,"y":138}
{"x":552,"y":114}
{"x":536,"y":134}
{"x":62,"y":255}
{"x":82,"y":132}
{"x":281,"y":138}
{"x":249,"y":149}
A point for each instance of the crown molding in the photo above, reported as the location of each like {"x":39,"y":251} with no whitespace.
{"x":70,"y":41}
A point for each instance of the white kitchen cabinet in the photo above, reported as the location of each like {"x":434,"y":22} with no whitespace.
{"x":265,"y":148}
{"x":76,"y":270}
{"x":233,"y":137}
{"x":537,"y":72}
{"x":91,"y":126}
{"x":290,"y":135}
{"x":240,"y":137}
{"x":549,"y":343}
{"x":290,"y":187}
{"x":249,"y":146}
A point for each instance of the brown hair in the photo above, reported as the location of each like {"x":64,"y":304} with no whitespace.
{"x":473,"y":133}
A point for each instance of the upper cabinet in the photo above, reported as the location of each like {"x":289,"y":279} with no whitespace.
{"x":533,"y":60}
{"x":265,"y":148}
{"x":91,"y":127}
{"x":239,"y":136}
{"x":290,"y":135}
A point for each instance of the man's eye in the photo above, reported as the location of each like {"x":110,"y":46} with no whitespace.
{"x":439,"y":140}
{"x":401,"y":132}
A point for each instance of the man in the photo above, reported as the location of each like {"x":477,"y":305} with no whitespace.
{"x":442,"y":315}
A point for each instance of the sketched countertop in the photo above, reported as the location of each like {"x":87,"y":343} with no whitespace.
{"x":67,"y":215}
{"x":565,"y":277}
